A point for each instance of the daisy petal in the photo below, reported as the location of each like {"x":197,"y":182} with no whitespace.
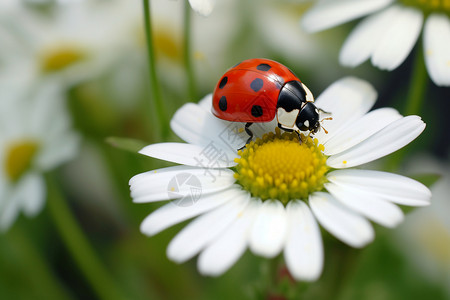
{"x":191,"y":155}
{"x":436,"y":40}
{"x":388,"y":186}
{"x":341,"y":222}
{"x":364,"y":39}
{"x":391,"y":138}
{"x":304,"y":250}
{"x":197,"y":126}
{"x":202,"y":7}
{"x":347,"y":99}
{"x":399,"y":40}
{"x":206,"y":102}
{"x":361,"y":129}
{"x":171,"y":214}
{"x":181,"y":182}
{"x":33,"y":194}
{"x":203,"y":230}
{"x":378,"y":210}
{"x":326,"y":14}
{"x":268,"y":232}
{"x":218,"y":257}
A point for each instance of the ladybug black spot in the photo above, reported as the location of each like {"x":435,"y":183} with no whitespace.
{"x":263,"y":67}
{"x":257,"y":111}
{"x":223,"y":82}
{"x":223,"y":103}
{"x":257,"y":84}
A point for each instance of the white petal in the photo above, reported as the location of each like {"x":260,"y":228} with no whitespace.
{"x":206,"y":102}
{"x":364,"y":39}
{"x":210,"y":156}
{"x":436,"y":41}
{"x":33,"y":192}
{"x":326,"y":14}
{"x":172,"y":213}
{"x":391,"y":138}
{"x":360,"y":130}
{"x":341,"y":222}
{"x":398,"y":41}
{"x":58,"y":151}
{"x":197,"y":126}
{"x":203,"y":230}
{"x":391,"y":187}
{"x":303,"y":252}
{"x":268,"y":233}
{"x":218,"y":257}
{"x":202,"y":7}
{"x":179,"y":183}
{"x":347,"y":100}
{"x":378,"y":210}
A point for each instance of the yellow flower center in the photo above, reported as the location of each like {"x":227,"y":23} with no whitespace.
{"x":278,"y":166}
{"x":430,"y":6}
{"x":59,"y":58}
{"x":19,"y":157}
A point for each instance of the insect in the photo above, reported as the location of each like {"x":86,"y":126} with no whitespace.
{"x":256,"y":90}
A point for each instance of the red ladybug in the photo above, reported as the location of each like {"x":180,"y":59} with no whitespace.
{"x":256,"y":90}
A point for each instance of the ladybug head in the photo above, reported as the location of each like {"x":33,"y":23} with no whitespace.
{"x":308,"y":118}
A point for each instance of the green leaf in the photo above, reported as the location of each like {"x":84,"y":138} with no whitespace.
{"x":127,"y":144}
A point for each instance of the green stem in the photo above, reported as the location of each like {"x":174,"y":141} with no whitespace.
{"x":187,"y":52}
{"x":36,"y":270}
{"x":414,"y":103}
{"x":418,"y":85}
{"x":78,"y":245}
{"x":159,"y":108}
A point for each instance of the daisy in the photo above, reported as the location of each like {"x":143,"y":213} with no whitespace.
{"x":35,"y":137}
{"x":388,"y":35}
{"x":74,"y":42}
{"x":271,"y":196}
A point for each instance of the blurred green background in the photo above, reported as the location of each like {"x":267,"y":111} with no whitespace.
{"x":89,"y":212}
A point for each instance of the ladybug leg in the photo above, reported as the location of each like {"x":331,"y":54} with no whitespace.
{"x":299,"y":136}
{"x":249,"y":132}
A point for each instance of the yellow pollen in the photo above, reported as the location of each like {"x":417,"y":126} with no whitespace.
{"x":59,"y":58}
{"x":19,"y":157}
{"x":167,"y":45}
{"x":278,"y":166}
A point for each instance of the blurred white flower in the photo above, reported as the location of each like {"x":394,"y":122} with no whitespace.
{"x":35,"y":136}
{"x":72,"y":42}
{"x":202,"y":7}
{"x":388,"y":35}
{"x":278,"y":188}
{"x":425,"y":237}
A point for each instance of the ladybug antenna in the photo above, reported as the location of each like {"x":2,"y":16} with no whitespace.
{"x":322,"y":112}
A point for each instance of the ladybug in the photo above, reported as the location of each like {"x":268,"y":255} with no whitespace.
{"x":256,"y":90}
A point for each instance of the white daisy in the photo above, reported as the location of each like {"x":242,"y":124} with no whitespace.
{"x":74,"y":42}
{"x":270,"y":196}
{"x":388,"y":35}
{"x":35,"y":137}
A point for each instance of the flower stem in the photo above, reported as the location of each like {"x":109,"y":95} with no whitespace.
{"x":158,"y":105}
{"x":187,"y":52}
{"x":418,"y":85}
{"x":78,"y":245}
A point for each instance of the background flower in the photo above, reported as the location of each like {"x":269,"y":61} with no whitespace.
{"x":389,"y":34}
{"x":35,"y":136}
